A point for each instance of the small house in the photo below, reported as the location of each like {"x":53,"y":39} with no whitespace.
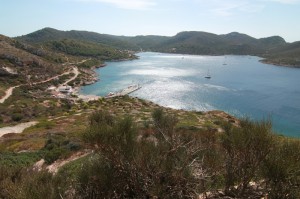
{"x":65,"y":89}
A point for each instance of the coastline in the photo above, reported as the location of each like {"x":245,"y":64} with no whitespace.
{"x":92,"y":78}
{"x":264,"y":60}
{"x":270,"y":62}
{"x":286,"y":128}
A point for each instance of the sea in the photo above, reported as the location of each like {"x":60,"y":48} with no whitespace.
{"x":239,"y":85}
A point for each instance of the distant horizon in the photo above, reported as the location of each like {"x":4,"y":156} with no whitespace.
{"x":257,"y":18}
{"x":152,"y":34}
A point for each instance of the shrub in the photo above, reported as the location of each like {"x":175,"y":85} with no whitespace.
{"x":19,"y":159}
{"x":54,"y":154}
{"x":24,"y":183}
{"x":245,"y":148}
{"x":45,"y":124}
{"x":58,"y":146}
{"x":127,"y":168}
{"x":282,"y":170}
{"x":17,"y":117}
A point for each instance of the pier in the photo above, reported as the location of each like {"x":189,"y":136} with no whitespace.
{"x":125,"y":91}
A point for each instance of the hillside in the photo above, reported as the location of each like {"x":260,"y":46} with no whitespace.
{"x":21,"y":62}
{"x":192,"y":42}
{"x":50,"y":34}
{"x":273,"y":48}
{"x":95,"y":149}
{"x":212,"y":44}
{"x":28,"y":62}
{"x":288,"y":55}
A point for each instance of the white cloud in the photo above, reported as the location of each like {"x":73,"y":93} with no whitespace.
{"x":286,"y":1}
{"x":225,"y":10}
{"x":127,"y":4}
{"x":232,"y":7}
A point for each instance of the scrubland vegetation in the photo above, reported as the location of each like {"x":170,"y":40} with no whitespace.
{"x":160,"y":159}
{"x":133,"y":148}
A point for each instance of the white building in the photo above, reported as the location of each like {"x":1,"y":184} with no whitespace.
{"x":65,"y":89}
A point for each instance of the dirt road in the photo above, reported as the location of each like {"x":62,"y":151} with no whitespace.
{"x":19,"y":128}
{"x":9,"y":91}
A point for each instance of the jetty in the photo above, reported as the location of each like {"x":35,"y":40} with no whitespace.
{"x":125,"y":91}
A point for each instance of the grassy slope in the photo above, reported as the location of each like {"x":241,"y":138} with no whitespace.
{"x":73,"y":120}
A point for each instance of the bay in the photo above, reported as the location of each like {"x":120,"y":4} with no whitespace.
{"x":239,"y":85}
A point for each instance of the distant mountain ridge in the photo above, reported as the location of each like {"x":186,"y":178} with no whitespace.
{"x":275,"y":49}
{"x":50,"y":34}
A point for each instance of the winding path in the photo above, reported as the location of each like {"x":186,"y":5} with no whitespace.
{"x":76,"y":72}
{"x":9,"y":91}
{"x":19,"y":128}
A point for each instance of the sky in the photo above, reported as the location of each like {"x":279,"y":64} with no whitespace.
{"x":257,"y":18}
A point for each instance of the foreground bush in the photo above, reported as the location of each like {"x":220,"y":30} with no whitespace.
{"x":22,"y":184}
{"x":126,"y":167}
{"x":246,"y":148}
{"x":162,"y":161}
{"x":282,"y":170}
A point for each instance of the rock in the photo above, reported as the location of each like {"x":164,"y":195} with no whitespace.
{"x":39,"y":165}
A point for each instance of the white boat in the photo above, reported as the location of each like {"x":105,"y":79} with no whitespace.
{"x":208,"y":75}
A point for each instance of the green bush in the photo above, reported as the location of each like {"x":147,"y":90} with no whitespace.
{"x":25,"y":183}
{"x":45,"y":124}
{"x":127,"y":168}
{"x":282,"y":170}
{"x":246,"y":148}
{"x":54,"y":154}
{"x":58,"y":146}
{"x":17,"y":117}
{"x":19,"y":159}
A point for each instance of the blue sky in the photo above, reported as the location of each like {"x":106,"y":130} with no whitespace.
{"x":257,"y":18}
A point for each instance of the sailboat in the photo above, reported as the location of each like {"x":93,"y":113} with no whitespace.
{"x":224,"y":63}
{"x":208,"y":75}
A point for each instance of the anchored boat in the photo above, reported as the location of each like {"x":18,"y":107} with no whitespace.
{"x":208,"y":75}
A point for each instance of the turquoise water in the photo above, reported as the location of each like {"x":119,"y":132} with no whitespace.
{"x":240,"y":85}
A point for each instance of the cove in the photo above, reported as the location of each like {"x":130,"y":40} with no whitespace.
{"x":239,"y":85}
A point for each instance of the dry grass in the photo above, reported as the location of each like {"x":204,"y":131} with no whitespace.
{"x":72,"y":123}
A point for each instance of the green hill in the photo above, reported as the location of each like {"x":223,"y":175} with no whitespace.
{"x":192,"y":42}
{"x":85,"y":44}
{"x":50,"y":34}
{"x":275,"y":49}
{"x":212,"y":44}
{"x":288,"y":54}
